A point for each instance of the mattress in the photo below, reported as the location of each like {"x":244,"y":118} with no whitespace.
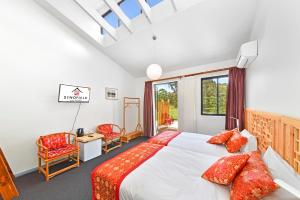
{"x":172,"y":174}
{"x":189,"y":141}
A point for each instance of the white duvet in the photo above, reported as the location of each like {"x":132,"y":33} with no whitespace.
{"x":172,"y":174}
{"x":197,"y":143}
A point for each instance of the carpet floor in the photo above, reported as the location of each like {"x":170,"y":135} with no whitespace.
{"x":74,"y":184}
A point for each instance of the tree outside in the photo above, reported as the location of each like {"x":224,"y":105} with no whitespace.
{"x":166,"y":103}
{"x":214,"y":94}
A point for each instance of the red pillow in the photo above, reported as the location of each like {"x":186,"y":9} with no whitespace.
{"x":254,"y":182}
{"x":235,"y":142}
{"x":225,"y":169}
{"x":221,"y":138}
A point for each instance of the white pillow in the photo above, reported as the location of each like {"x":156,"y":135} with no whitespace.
{"x":251,"y":144}
{"x":280,"y":169}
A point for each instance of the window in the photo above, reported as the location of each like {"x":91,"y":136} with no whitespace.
{"x":152,"y":3}
{"x":112,"y":19}
{"x":131,"y":8}
{"x":213,"y":95}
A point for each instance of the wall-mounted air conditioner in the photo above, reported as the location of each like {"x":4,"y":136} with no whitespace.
{"x":247,"y":54}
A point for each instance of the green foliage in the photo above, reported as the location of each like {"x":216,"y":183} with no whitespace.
{"x":171,"y":97}
{"x":211,"y":97}
{"x":164,"y":95}
{"x":173,"y":112}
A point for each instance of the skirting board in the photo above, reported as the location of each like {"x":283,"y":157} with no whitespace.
{"x":25,"y":172}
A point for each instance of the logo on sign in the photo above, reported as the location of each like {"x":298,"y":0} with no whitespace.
{"x":76,"y":92}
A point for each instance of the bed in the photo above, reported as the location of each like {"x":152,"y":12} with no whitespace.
{"x":170,"y":173}
{"x":162,"y":172}
{"x":198,"y":142}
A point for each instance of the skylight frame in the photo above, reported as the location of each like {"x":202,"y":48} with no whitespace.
{"x":102,"y":31}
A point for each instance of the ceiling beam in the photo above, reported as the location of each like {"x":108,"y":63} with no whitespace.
{"x":146,"y":10}
{"x":118,"y":11}
{"x":98,"y":18}
{"x":174,"y":5}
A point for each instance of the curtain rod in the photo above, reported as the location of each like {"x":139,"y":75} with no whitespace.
{"x":194,"y":74}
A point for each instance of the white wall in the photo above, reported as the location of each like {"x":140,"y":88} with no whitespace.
{"x":37,"y":53}
{"x":273,"y":79}
{"x":205,"y":124}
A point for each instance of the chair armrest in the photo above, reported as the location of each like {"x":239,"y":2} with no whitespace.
{"x":74,"y":138}
{"x":42,"y":147}
{"x":118,"y":127}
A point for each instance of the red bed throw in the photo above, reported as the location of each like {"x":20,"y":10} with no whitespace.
{"x":164,"y":138}
{"x":107,"y":177}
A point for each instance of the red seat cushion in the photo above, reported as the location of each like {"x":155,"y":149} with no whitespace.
{"x":254,"y":182}
{"x":225,"y":169}
{"x":54,"y":141}
{"x":235,"y":142}
{"x":221,"y":138}
{"x":60,"y":151}
{"x":112,"y":135}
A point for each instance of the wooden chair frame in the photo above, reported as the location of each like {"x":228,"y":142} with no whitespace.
{"x":116,"y":141}
{"x":48,"y":162}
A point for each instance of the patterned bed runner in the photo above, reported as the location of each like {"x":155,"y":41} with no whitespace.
{"x":164,"y":138}
{"x":107,"y":177}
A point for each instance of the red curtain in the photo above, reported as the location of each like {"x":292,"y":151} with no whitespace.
{"x":148,"y":110}
{"x":235,"y":98}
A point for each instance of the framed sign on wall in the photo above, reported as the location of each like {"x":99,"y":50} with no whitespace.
{"x":73,"y":94}
{"x":111,"y":93}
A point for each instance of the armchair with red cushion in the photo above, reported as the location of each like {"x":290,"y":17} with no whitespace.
{"x":56,"y":148}
{"x":112,"y":136}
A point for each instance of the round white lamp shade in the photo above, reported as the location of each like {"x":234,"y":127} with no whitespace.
{"x":154,"y":71}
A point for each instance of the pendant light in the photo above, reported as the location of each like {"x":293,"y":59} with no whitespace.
{"x":154,"y":71}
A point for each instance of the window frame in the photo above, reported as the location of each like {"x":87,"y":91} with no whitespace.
{"x":207,"y":78}
{"x":119,"y":21}
{"x":105,"y":14}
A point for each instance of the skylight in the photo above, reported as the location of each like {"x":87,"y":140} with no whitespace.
{"x":152,"y":3}
{"x":112,"y":19}
{"x":131,"y":8}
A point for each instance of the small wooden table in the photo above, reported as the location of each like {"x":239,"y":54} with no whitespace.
{"x":90,"y":146}
{"x":90,"y":137}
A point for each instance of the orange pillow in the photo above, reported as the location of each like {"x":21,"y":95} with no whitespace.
{"x":225,"y":169}
{"x":221,"y":138}
{"x":254,"y":182}
{"x":235,"y":142}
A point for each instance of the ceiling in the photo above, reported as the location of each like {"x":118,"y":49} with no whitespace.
{"x":204,"y":32}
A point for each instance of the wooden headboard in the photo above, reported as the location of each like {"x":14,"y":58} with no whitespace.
{"x":280,"y":132}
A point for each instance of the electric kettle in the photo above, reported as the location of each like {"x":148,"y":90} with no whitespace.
{"x":80,"y":132}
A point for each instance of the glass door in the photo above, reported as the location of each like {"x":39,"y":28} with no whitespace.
{"x":166,"y":106}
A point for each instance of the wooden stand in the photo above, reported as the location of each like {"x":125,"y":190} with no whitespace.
{"x":126,"y":137}
{"x":8,"y":189}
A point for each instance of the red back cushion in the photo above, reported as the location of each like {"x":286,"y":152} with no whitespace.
{"x":54,"y":141}
{"x":235,"y":142}
{"x":225,"y":169}
{"x":106,"y":129}
{"x":221,"y":138}
{"x":254,"y":182}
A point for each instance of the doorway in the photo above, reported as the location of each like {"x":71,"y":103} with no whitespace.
{"x":166,"y":106}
